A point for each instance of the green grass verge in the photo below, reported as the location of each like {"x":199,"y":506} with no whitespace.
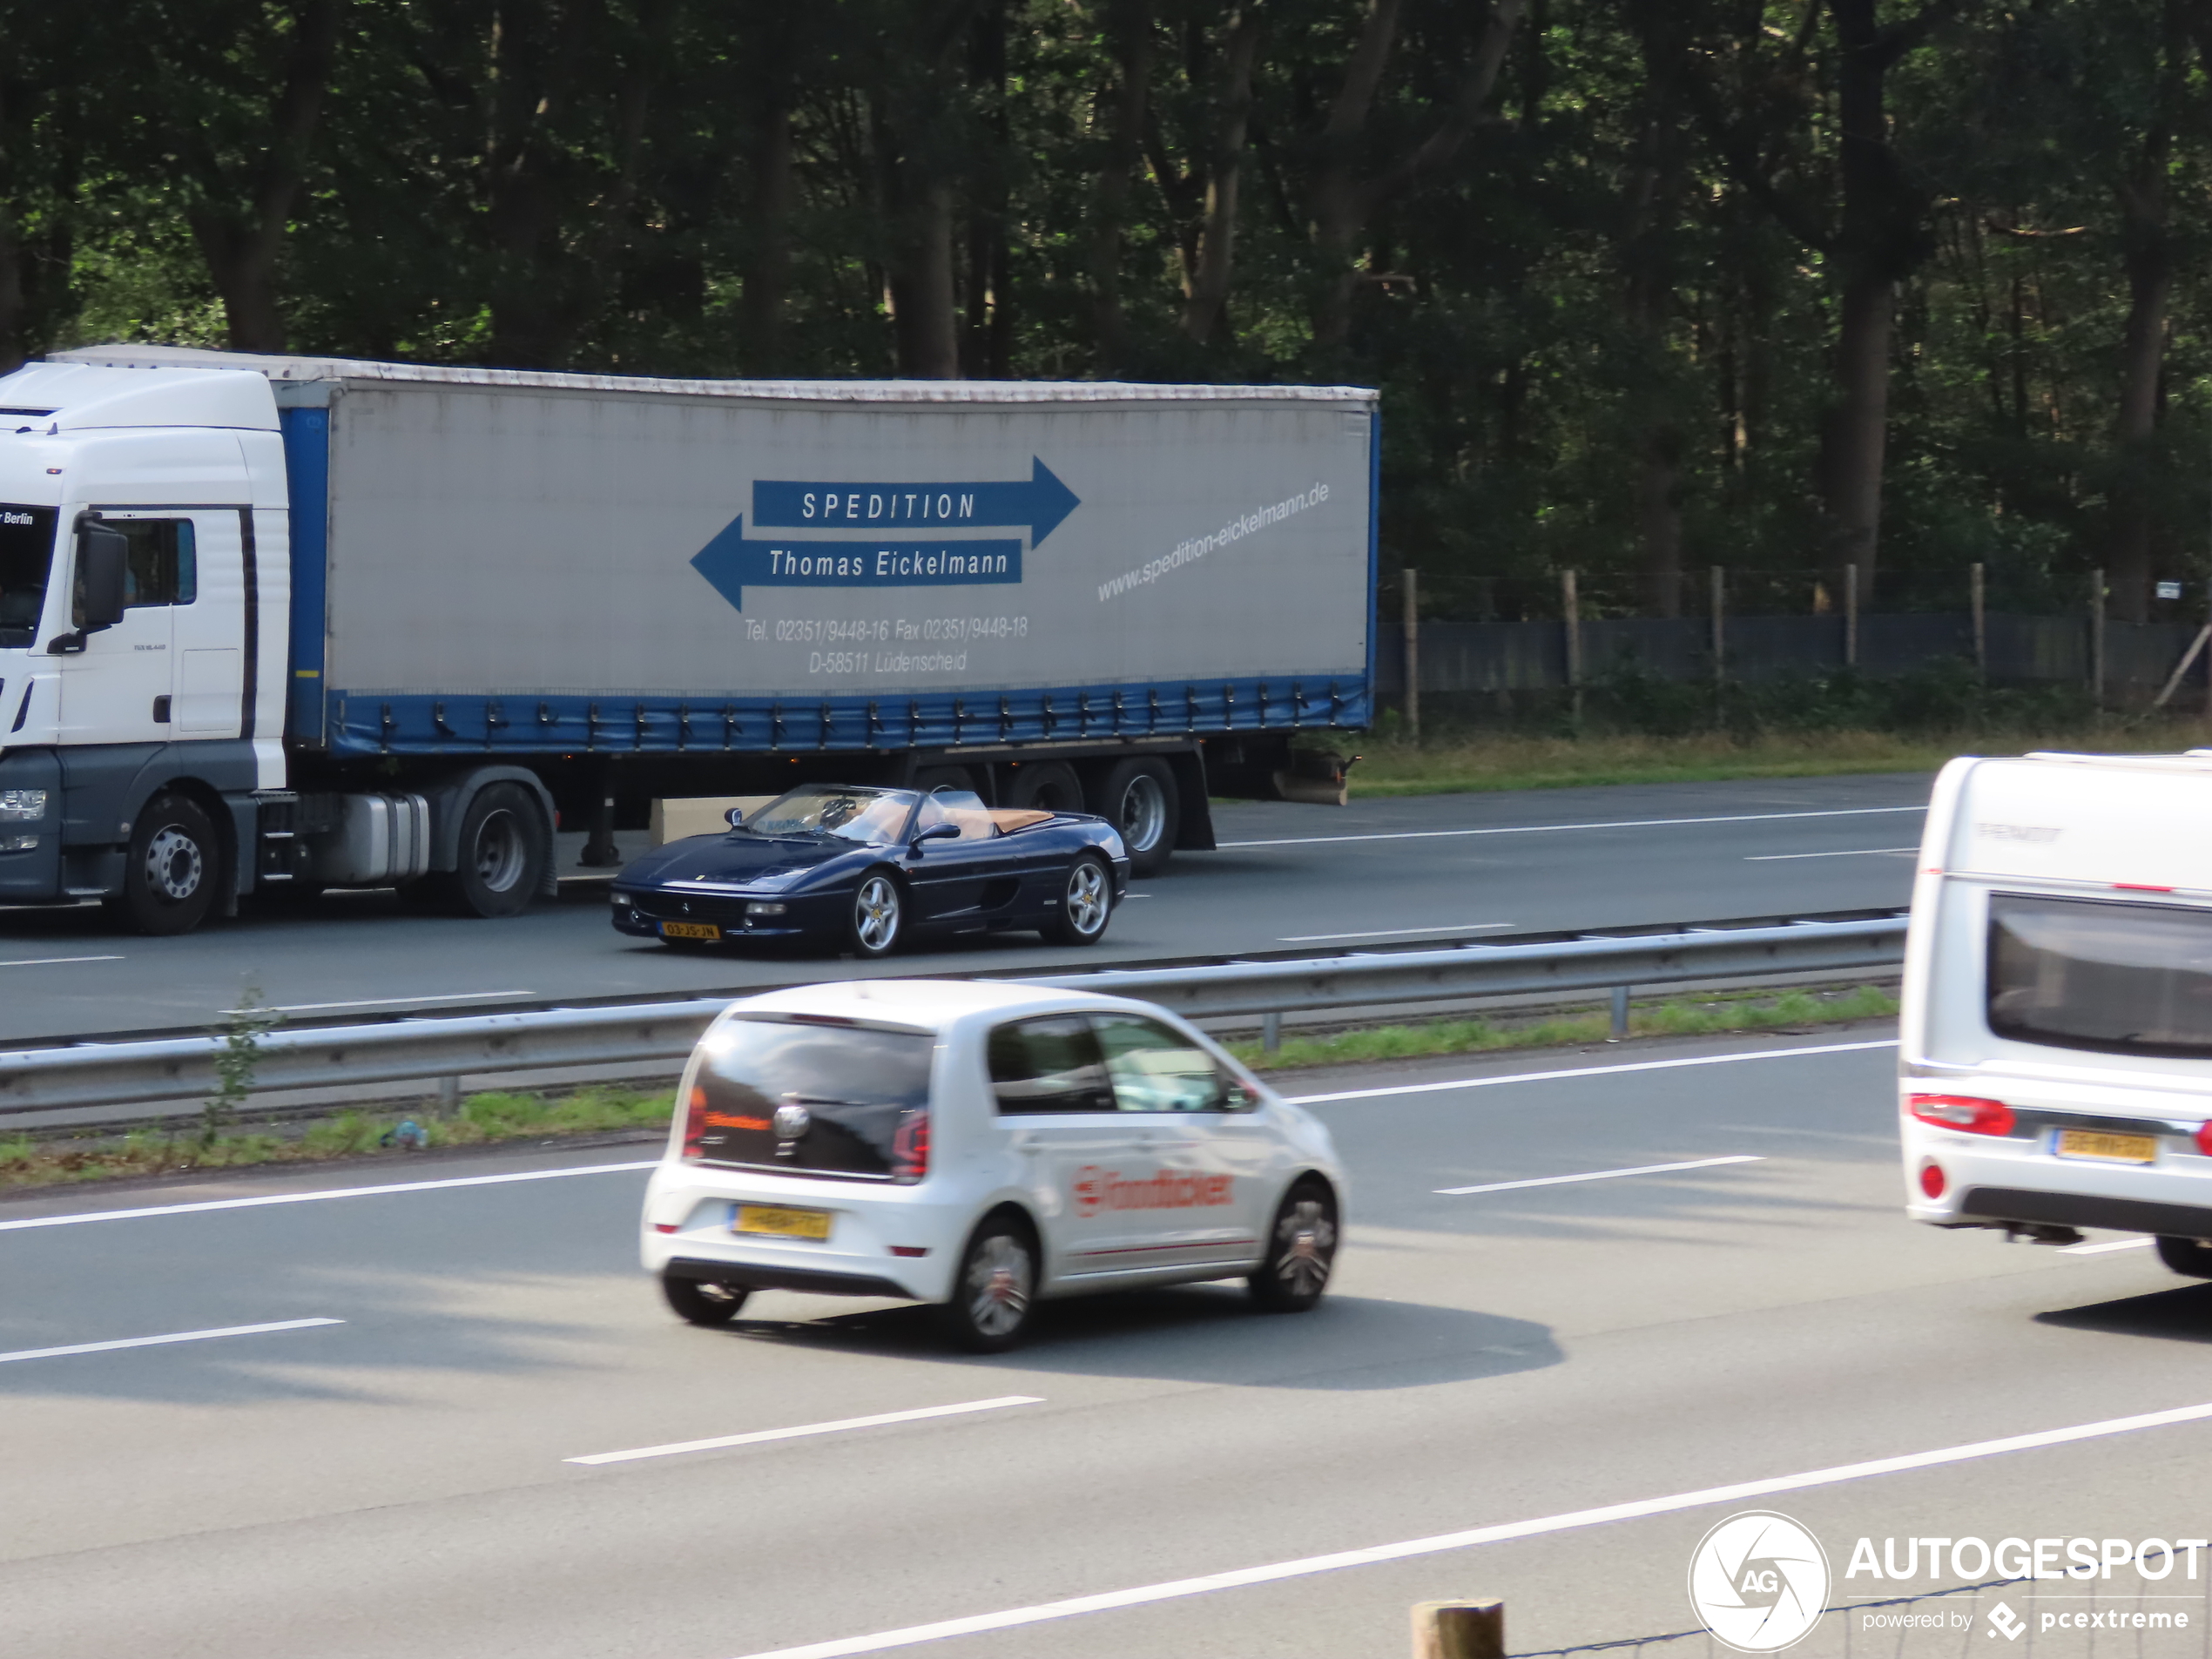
{"x":1681,"y":1017}
{"x":1460,"y":763}
{"x":481,"y":1120}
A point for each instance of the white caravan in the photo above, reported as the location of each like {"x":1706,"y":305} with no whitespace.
{"x":2055,"y":1064}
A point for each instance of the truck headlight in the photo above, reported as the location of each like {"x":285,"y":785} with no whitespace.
{"x":22,"y":804}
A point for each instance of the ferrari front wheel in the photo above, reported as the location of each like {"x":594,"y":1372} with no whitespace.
{"x":879,"y":916}
{"x":1086,"y":903}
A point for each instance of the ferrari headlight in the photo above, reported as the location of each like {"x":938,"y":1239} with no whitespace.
{"x":22,"y":804}
{"x":772,"y":880}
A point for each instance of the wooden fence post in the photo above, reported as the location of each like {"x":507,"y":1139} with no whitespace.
{"x":1980,"y":596}
{"x":1572,"y":604}
{"x":2097,"y":637}
{"x":1459,"y":1630}
{"x":1720,"y":640}
{"x":1413,"y":654}
{"x":1851,"y":615}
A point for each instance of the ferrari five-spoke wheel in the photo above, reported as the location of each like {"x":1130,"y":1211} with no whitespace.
{"x":2192,"y":1256}
{"x":174,"y":869}
{"x":879,"y":912}
{"x":703,"y":1303}
{"x":1301,"y":1249}
{"x":996,"y":1289}
{"x":1086,"y":903}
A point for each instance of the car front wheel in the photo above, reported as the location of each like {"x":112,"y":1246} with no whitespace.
{"x":994,"y":1291}
{"x":879,"y":916}
{"x":1301,"y":1251}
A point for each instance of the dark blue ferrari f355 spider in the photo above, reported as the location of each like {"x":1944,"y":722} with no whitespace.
{"x":861,"y":868}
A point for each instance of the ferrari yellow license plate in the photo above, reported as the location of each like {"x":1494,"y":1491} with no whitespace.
{"x":690,"y":930}
{"x":772,"y":1222}
{"x":2114,"y":1148}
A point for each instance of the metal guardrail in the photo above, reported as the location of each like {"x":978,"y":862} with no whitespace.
{"x":174,"y":1069}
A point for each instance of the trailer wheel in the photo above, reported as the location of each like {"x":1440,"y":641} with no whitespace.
{"x":1046,"y":786}
{"x":1140,"y":800}
{"x":502,"y":849}
{"x":175,"y":868}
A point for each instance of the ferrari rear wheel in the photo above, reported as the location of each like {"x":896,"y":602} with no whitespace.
{"x":879,"y":915}
{"x":1086,"y":903}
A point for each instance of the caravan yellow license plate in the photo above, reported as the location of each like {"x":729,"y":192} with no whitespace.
{"x":776,"y":1222}
{"x":690,"y":930}
{"x":2114,"y":1148}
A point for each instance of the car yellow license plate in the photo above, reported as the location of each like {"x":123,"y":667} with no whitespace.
{"x":774,"y":1222}
{"x":690,"y":930}
{"x":2114,"y":1148}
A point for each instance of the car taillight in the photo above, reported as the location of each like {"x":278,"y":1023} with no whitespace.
{"x":910,"y":1147}
{"x":1931,"y":1181}
{"x":2204,"y":1139}
{"x":695,"y":1125}
{"x":1968,"y":1112}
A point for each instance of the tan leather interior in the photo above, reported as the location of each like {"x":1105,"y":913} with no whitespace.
{"x":1010,"y":819}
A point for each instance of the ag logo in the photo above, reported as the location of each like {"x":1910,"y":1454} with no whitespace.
{"x":1089,"y":1190}
{"x":1759,"y":1581}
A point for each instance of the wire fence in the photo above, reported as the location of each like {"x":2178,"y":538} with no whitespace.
{"x":2018,"y":1617}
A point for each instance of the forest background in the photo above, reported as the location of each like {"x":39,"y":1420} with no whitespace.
{"x":1647,"y":285}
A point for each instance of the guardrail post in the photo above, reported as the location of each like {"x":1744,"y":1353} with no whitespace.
{"x":1271,"y":1031}
{"x":448,"y":1094}
{"x":1620,"y":1013}
{"x":1459,"y":1630}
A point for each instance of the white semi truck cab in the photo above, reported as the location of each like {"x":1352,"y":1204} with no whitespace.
{"x":292,"y":624}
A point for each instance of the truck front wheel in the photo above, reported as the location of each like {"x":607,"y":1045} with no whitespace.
{"x":502,"y":850}
{"x":175,"y":870}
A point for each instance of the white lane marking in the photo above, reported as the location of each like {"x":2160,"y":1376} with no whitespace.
{"x":50,"y":961}
{"x":156,"y":1342}
{"x":1585,"y":1071}
{"x":1392,"y":932}
{"x":1601,"y":1175}
{"x":384,"y":1001}
{"x":2100,"y":1250}
{"x":766,"y":1435}
{"x":1276,"y":1572}
{"x":319,"y":1195}
{"x":1556,"y":829}
{"x":1854,"y":853}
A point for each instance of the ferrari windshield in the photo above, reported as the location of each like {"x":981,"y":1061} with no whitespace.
{"x":852,"y":811}
{"x":26,"y":547}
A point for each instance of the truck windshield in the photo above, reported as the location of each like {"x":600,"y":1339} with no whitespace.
{"x":26,"y":550}
{"x":2115,"y":977}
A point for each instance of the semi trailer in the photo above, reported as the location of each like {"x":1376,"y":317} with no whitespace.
{"x":271,"y":626}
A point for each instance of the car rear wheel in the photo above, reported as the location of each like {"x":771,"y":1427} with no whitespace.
{"x":175,"y":868}
{"x":1301,"y":1251}
{"x":703,"y":1303}
{"x":2187,"y":1256}
{"x":1086,"y":903}
{"x":996,"y":1289}
{"x":1140,"y":800}
{"x":879,"y":915}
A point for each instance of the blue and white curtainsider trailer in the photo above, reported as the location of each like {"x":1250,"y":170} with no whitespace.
{"x":286,"y":622}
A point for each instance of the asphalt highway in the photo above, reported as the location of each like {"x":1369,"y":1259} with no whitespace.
{"x":1375,"y":872}
{"x":379,"y":1458}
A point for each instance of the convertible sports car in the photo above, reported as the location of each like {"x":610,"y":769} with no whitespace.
{"x":860,"y":869}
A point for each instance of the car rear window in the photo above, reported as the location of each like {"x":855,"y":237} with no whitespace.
{"x":2117,"y":977}
{"x":855,"y":1099}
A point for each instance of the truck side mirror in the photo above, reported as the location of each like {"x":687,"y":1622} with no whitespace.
{"x":102,"y":556}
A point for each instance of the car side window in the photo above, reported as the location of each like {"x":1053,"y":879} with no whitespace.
{"x":1048,"y":1065}
{"x":1155,"y":1069}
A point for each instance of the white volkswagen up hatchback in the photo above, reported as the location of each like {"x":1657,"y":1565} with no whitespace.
{"x":980,"y":1146}
{"x":2056,"y":1039}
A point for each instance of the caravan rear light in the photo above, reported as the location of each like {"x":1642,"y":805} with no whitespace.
{"x":1974,"y":1116}
{"x":695,"y":1126}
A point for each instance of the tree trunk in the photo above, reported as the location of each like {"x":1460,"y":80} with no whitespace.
{"x":11,"y":296}
{"x":2150,"y":283}
{"x":1129,"y":28}
{"x":1208,"y":290}
{"x":924,"y":323}
{"x":1858,"y":426}
{"x":768,"y":263}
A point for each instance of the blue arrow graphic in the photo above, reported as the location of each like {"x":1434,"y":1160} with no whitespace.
{"x":1040,"y":502}
{"x":731,"y":563}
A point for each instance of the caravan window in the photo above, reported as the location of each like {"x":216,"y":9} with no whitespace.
{"x":2116,"y":977}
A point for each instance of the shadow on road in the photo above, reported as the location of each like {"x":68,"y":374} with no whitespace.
{"x":2182,"y":1314}
{"x":1207,"y":1334}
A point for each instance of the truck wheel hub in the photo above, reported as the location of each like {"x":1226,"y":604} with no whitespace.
{"x":173,"y":864}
